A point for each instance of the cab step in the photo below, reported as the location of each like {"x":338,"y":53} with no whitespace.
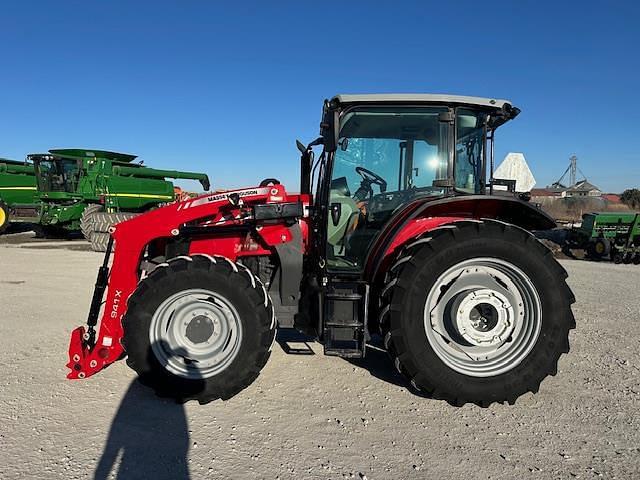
{"x":345,"y":310}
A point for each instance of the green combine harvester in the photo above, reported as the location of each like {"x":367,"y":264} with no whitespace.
{"x":613,"y":235}
{"x":18,"y":195}
{"x":91,"y":190}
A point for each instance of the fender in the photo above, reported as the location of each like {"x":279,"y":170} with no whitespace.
{"x":419,"y":217}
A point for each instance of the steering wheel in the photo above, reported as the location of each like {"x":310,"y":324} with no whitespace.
{"x":267,"y":181}
{"x":368,"y":178}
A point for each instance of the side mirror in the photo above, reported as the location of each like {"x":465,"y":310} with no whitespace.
{"x":336,"y":211}
{"x":301,"y":146}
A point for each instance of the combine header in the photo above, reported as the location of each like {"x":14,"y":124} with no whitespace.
{"x":398,"y":238}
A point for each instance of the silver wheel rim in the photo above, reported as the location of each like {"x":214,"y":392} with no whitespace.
{"x":195,"y":333}
{"x":482,"y":317}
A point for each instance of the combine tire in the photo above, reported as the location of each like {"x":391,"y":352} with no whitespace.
{"x":102,"y":222}
{"x":476,"y":312}
{"x":99,"y":241}
{"x":199,"y":328}
{"x":4,"y":217}
{"x":87,"y":218}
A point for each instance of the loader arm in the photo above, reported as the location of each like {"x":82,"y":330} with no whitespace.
{"x":217,"y":216}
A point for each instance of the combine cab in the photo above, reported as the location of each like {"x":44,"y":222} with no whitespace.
{"x":92,"y":190}
{"x":398,"y":238}
{"x":18,"y":200}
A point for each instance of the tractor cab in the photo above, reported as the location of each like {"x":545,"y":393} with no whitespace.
{"x":385,"y":152}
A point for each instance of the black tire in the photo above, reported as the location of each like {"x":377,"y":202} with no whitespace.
{"x":410,"y":280}
{"x":5,"y":218}
{"x":103,"y":221}
{"x":99,"y":241}
{"x":598,"y":248}
{"x":87,"y":218}
{"x":240,"y":287}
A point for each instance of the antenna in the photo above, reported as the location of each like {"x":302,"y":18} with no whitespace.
{"x":572,"y":169}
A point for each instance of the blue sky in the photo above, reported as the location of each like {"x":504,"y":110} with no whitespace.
{"x":227,"y":87}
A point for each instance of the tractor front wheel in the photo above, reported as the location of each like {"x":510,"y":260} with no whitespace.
{"x":199,"y":328}
{"x":477,"y":312}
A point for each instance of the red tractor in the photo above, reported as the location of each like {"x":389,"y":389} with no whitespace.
{"x":402,"y":237}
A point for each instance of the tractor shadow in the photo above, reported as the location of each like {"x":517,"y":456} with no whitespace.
{"x":293,"y":342}
{"x":148,"y":439}
{"x":376,"y":360}
{"x":379,"y":365}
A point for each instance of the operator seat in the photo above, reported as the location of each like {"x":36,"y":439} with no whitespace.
{"x":348,"y":221}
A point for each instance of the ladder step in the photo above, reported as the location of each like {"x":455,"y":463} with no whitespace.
{"x":344,"y":296}
{"x":345,"y":325}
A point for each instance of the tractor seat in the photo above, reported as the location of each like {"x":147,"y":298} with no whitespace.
{"x":340,"y":186}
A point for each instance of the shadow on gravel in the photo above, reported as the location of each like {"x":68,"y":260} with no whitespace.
{"x":20,"y":227}
{"x":379,"y":365}
{"x":293,"y":342}
{"x":150,"y":436}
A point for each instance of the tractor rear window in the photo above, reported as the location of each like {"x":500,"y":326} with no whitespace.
{"x":469,"y":163}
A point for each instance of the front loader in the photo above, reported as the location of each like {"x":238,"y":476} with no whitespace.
{"x":394,"y":232}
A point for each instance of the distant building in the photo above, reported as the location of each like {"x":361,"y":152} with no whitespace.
{"x":549,"y":192}
{"x":582,"y":189}
{"x":611,"y":197}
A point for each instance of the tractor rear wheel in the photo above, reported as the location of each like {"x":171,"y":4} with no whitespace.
{"x":87,"y":219}
{"x":4,"y":216}
{"x":199,"y":328}
{"x":476,"y":312}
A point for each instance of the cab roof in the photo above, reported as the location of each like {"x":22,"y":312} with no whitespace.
{"x":426,"y":98}
{"x":81,"y":153}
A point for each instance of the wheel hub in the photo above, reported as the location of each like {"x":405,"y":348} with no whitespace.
{"x":200,"y":329}
{"x":483,"y":317}
{"x":195,"y":333}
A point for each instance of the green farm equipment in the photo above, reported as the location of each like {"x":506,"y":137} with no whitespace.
{"x":609,"y":234}
{"x":18,"y":196}
{"x":91,"y":190}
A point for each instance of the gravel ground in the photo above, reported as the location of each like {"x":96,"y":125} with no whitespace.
{"x":307,"y":416}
